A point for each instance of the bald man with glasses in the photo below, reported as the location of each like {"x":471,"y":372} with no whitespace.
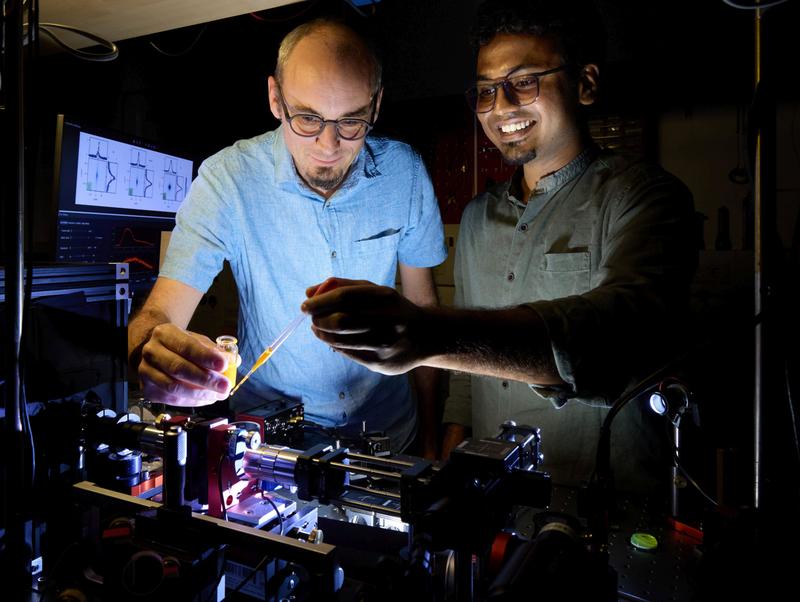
{"x":315,"y":198}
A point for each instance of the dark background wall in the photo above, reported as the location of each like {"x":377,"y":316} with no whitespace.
{"x":661,"y":55}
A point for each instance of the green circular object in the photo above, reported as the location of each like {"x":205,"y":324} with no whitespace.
{"x":644,"y":541}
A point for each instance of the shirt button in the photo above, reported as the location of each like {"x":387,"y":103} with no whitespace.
{"x":524,"y":227}
{"x":510,"y":276}
{"x":505,"y":384}
{"x":341,"y":394}
{"x":333,"y":254}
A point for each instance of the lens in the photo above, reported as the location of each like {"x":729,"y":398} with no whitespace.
{"x":481,"y":98}
{"x":352,"y":129}
{"x":519,"y":90}
{"x":312,"y":125}
{"x":523,"y":88}
{"x":307,"y":125}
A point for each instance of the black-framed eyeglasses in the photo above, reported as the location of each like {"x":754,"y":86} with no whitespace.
{"x":347,"y":128}
{"x":520,"y":90}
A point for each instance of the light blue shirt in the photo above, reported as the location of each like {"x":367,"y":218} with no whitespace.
{"x":248,"y":206}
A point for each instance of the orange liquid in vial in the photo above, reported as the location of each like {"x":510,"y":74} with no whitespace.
{"x":230,"y":371}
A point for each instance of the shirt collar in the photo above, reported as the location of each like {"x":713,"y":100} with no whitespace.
{"x":553,"y":181}
{"x":286,"y":177}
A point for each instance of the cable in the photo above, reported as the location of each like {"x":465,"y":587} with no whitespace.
{"x":627,"y":596}
{"x":26,"y":426}
{"x":695,"y":484}
{"x":603,"y":456}
{"x":788,"y":380}
{"x":30,"y":181}
{"x":252,"y":574}
{"x":186,"y":50}
{"x":264,"y":496}
{"x":754,"y":6}
{"x":602,"y":466}
{"x":113,"y":51}
{"x":222,"y":500}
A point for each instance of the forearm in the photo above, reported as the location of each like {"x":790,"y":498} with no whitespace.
{"x":376,"y":327}
{"x":508,"y":343}
{"x":170,"y":302}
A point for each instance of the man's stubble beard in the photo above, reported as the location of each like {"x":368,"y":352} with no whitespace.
{"x":326,"y":178}
{"x":513,"y":155}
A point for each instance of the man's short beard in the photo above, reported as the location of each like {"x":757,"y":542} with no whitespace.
{"x":516,"y":156}
{"x":326,"y":178}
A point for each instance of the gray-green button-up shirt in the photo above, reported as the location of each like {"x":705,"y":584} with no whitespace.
{"x":604,"y":251}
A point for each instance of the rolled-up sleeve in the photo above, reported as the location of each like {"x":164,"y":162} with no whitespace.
{"x":639,"y":294}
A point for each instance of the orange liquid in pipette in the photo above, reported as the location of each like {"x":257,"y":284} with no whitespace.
{"x":259,"y":362}
{"x":264,"y":357}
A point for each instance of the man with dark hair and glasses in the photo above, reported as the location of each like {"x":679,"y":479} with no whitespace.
{"x":580,"y":265}
{"x":314,"y":198}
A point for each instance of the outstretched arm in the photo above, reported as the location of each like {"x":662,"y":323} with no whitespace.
{"x":378,"y":328}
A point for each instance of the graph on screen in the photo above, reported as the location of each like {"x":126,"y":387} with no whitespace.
{"x":114,"y":174}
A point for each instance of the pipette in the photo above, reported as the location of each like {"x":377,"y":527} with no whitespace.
{"x":272,"y":348}
{"x":279,"y":340}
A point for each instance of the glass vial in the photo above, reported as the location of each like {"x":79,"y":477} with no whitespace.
{"x":228,"y":345}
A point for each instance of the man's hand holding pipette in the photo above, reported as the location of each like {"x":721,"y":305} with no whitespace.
{"x":373,"y":325}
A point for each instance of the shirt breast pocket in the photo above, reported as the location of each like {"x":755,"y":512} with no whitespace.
{"x":382,"y":243}
{"x":566,"y":274}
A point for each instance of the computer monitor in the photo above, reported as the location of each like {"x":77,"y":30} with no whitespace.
{"x":115,"y":195}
